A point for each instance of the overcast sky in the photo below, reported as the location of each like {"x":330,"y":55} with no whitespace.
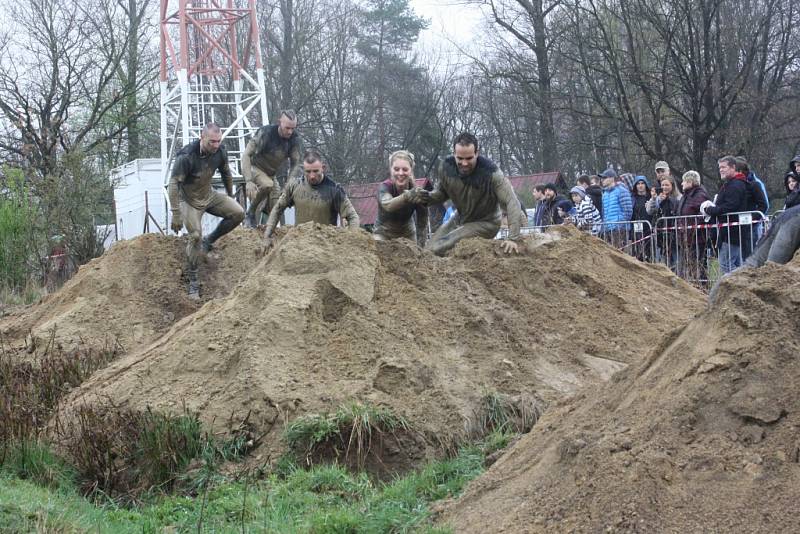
{"x":449,"y":21}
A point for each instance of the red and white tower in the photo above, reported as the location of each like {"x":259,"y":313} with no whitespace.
{"x":211,"y":71}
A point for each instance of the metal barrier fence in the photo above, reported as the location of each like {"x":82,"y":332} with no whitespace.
{"x":688,"y":244}
{"x":695,"y":249}
{"x":632,"y":237}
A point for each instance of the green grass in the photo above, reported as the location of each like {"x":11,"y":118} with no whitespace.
{"x":325,"y":499}
{"x":34,"y":461}
{"x":349,"y":430}
{"x":28,"y":293}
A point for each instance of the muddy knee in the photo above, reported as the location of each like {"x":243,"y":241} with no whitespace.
{"x":237,"y":216}
{"x":193,"y":248}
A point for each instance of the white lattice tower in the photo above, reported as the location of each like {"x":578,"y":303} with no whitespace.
{"x":211,"y":71}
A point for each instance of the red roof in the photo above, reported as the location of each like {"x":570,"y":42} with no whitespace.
{"x":364,"y":196}
{"x":528,"y":181}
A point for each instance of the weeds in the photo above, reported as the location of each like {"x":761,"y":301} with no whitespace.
{"x":503,"y":414}
{"x":34,"y":461}
{"x":26,"y":294}
{"x":348,"y":432}
{"x":123,"y":453}
{"x":127,"y":454}
{"x":31,"y":388}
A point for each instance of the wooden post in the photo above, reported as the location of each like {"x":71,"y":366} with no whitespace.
{"x":116,"y":222}
{"x":146,"y":228}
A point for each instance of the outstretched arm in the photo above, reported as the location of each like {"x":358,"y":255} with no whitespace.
{"x":285,"y":200}
{"x":348,"y":213}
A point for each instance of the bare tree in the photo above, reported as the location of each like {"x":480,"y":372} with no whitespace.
{"x":65,"y":95}
{"x":682,"y":71}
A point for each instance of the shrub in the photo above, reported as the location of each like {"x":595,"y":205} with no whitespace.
{"x":31,"y":386}
{"x":124,"y":453}
{"x":17,"y":257}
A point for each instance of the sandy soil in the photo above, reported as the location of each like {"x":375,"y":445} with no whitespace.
{"x":699,"y":436}
{"x":331,"y":316}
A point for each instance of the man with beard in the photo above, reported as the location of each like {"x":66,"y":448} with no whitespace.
{"x":478,"y":190}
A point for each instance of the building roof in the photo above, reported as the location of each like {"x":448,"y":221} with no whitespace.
{"x":364,"y":196}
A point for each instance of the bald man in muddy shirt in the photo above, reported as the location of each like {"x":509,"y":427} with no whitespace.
{"x":191,"y":195}
{"x":478,"y":190}
{"x":315,"y":198}
{"x":264,"y":156}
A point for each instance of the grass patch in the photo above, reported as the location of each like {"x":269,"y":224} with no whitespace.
{"x":348,"y":434}
{"x":29,"y":293}
{"x":500,"y":415}
{"x":129,"y":455}
{"x":35,"y":461}
{"x":323,"y":499}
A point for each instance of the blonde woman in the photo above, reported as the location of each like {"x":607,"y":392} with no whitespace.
{"x":664,"y":203}
{"x":399,"y":199}
{"x":692,"y":239}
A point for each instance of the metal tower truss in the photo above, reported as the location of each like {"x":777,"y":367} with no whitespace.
{"x":211,"y":71}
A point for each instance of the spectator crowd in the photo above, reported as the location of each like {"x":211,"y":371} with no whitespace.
{"x":678,"y":224}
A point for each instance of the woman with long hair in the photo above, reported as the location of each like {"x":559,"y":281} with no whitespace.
{"x":399,"y":200}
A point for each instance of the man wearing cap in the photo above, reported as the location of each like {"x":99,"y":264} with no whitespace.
{"x":662,"y":171}
{"x":550,"y":213}
{"x":617,"y":208}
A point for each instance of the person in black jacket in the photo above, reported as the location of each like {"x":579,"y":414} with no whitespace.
{"x":732,"y":198}
{"x":550,"y":214}
{"x":756,"y":202}
{"x":792,"y":184}
{"x":640,"y":194}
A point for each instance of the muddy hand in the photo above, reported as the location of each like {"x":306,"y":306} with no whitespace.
{"x":267,"y":245}
{"x":177,"y":224}
{"x":423,"y":196}
{"x":510,"y":246}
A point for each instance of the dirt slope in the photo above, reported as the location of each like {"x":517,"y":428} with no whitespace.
{"x":331,"y":315}
{"x":133,"y":293}
{"x":700,"y":437}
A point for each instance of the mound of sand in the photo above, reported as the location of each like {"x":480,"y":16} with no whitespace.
{"x":699,"y":437}
{"x":132,"y":294}
{"x":331,"y":316}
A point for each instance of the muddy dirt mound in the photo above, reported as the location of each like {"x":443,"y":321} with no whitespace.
{"x":133,"y":293}
{"x":331,"y":316}
{"x":699,"y":437}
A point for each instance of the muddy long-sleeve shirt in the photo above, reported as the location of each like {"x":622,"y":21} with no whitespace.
{"x":191,"y":176}
{"x":322,"y":203}
{"x":396,"y":213}
{"x":268,"y":151}
{"x":479,"y":195}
